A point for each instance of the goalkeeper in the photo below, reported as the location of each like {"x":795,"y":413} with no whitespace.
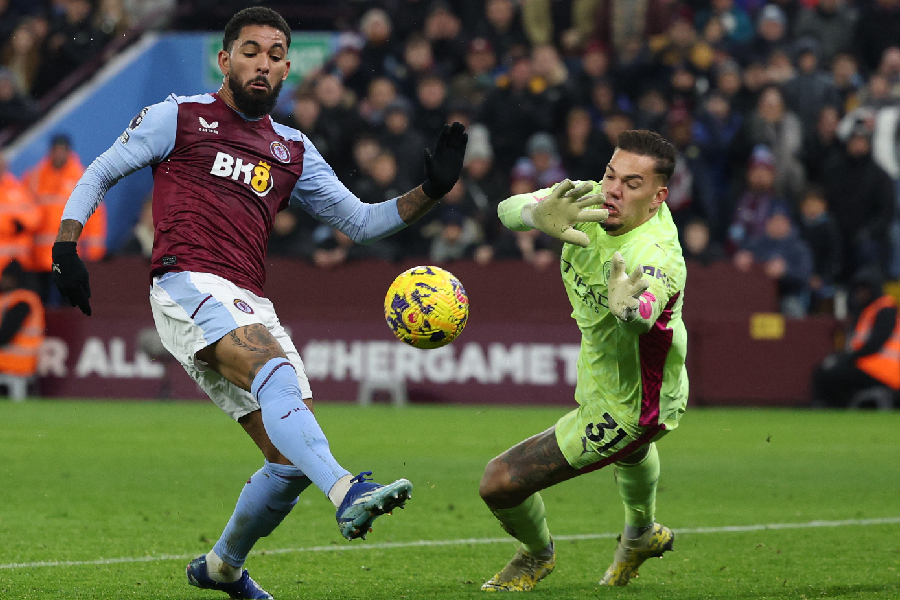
{"x":632,"y":385}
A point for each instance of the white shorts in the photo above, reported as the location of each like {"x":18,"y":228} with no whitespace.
{"x":194,"y":310}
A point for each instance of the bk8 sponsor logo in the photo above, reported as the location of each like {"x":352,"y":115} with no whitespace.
{"x":258,"y":177}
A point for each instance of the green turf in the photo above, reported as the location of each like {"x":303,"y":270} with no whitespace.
{"x":88,"y":482}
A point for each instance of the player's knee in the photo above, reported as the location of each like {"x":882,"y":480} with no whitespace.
{"x":635,"y":457}
{"x":494,"y":484}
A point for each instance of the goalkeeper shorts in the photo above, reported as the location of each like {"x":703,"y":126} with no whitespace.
{"x":592,"y":436}
{"x":193,"y":310}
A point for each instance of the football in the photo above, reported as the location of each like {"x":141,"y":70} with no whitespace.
{"x":426,"y":307}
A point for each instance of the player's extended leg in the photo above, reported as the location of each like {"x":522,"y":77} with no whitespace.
{"x":637,"y":476}
{"x":251,"y":358}
{"x":510,"y":487}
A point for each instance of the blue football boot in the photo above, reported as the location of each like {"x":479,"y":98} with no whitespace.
{"x":243,"y":589}
{"x":366,"y":501}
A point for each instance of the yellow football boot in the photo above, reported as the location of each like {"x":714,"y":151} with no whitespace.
{"x":522,"y":573}
{"x":631,"y":554}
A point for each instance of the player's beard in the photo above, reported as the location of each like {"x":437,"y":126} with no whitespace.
{"x":254,"y":104}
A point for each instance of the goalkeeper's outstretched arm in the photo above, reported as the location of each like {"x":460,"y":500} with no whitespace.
{"x":556,"y":211}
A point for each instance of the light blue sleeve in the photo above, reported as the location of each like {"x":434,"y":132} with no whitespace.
{"x":149,"y":138}
{"x":320,"y":193}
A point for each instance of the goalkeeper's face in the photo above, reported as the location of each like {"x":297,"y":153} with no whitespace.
{"x":633,"y":190}
{"x":255,"y":69}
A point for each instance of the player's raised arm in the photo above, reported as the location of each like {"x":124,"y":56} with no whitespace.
{"x":442,"y":169}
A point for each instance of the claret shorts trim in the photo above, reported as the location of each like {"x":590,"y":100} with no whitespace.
{"x":193,"y":310}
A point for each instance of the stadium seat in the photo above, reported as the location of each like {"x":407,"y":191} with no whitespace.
{"x":878,"y":397}
{"x":17,"y":387}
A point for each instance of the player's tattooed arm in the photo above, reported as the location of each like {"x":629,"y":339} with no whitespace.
{"x":414,"y":204}
{"x":69,"y":231}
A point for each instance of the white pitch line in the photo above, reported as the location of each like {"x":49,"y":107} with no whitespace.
{"x":459,"y":542}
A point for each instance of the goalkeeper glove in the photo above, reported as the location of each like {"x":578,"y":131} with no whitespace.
{"x":71,"y":276}
{"x":625,"y":290}
{"x":566,"y":206}
{"x":442,"y":168}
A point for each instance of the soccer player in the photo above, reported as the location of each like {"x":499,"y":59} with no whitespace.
{"x":222,"y":169}
{"x":632,"y":385}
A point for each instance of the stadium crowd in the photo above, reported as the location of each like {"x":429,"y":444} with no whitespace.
{"x":786,"y":114}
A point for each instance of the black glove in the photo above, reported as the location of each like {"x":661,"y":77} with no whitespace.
{"x":71,"y":276}
{"x":442,"y":168}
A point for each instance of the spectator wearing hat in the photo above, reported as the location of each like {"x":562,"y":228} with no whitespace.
{"x":830,"y":23}
{"x":486,"y":185}
{"x":860,"y":194}
{"x":811,"y":88}
{"x":477,"y":79}
{"x":456,"y":237}
{"x":771,"y":34}
{"x":756,"y":200}
{"x":542,"y":163}
{"x":404,"y":141}
{"x":785,"y":257}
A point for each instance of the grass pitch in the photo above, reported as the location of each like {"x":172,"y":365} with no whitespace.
{"x":107,"y":500}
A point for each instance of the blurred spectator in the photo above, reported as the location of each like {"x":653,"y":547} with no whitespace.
{"x":810,"y":89}
{"x":554,"y":77}
{"x":771,"y":34}
{"x":847,"y":81}
{"x":513,"y":111}
{"x":380,"y":52}
{"x":602,"y":101}
{"x":690,"y":187}
{"x":418,"y":61}
{"x":15,"y":108}
{"x":652,"y":109}
{"x":365,"y":150}
{"x":21,"y":323}
{"x":548,"y":22}
{"x":619,"y":23}
{"x":306,"y":117}
{"x":756,"y":202}
{"x":821,"y":144}
{"x":861,"y":197}
{"x":820,"y":231}
{"x":346,"y":65}
{"x":408,"y":16}
{"x":542,"y":165}
{"x":889,"y":68}
{"x":443,"y":29}
{"x":73,"y":40}
{"x":785,"y":257}
{"x":735,"y":21}
{"x":681,"y":45}
{"x":581,"y":150}
{"x":20,"y":217}
{"x":830,"y":23}
{"x":153,"y":14}
{"x":698,"y":245}
{"x":593,"y":66}
{"x":404,"y":142}
{"x":502,"y":27}
{"x":140,"y":242}
{"x":456,"y":237}
{"x":754,"y":79}
{"x":51,"y":182}
{"x":477,"y":79}
{"x":714,"y":130}
{"x":22,"y":53}
{"x":339,"y":121}
{"x":380,"y":94}
{"x":333,"y":248}
{"x":872,"y":358}
{"x":383,"y":182}
{"x":772,"y":125}
{"x":292,"y":234}
{"x":430,"y":112}
{"x":877,"y":28}
{"x":486,"y":185}
{"x":779,"y":67}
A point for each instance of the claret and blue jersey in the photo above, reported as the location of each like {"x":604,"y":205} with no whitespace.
{"x":219,"y":179}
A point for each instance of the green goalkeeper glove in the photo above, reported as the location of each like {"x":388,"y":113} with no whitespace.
{"x":566,"y":206}
{"x":625,"y":290}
